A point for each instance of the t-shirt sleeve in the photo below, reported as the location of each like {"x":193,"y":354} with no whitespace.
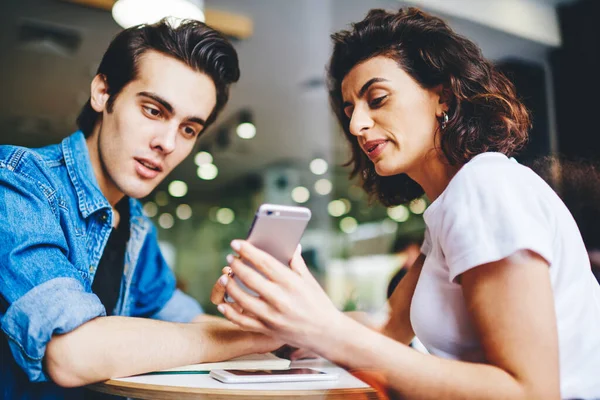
{"x":491,"y":213}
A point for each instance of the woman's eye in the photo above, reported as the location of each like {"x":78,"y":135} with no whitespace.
{"x":377,"y":102}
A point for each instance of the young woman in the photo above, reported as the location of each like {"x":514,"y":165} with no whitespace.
{"x":502,"y":294}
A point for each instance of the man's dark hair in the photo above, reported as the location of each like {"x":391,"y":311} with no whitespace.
{"x":484,"y":112}
{"x":192,"y":42}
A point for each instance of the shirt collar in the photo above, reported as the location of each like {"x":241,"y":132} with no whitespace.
{"x":79,"y":166}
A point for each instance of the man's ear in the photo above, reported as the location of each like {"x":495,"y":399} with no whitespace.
{"x":99,"y":93}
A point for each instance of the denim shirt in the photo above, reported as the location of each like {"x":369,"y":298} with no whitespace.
{"x":54,"y":225}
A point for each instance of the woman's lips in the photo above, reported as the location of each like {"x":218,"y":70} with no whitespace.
{"x":375,"y":148}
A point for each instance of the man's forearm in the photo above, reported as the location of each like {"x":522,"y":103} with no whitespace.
{"x":206,"y":318}
{"x":108,"y":347}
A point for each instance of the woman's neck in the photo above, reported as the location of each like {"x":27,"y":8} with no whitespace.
{"x":434,"y":175}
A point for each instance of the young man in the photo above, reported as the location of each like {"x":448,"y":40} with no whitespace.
{"x":85,"y":293}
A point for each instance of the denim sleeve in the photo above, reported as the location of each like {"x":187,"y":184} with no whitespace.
{"x":43,"y":293}
{"x":179,"y":308}
{"x":155,"y":287}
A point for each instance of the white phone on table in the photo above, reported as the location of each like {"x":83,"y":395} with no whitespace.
{"x":277,"y":230}
{"x":268,"y":375}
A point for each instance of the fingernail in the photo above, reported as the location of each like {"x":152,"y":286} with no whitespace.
{"x":223,"y":280}
{"x":236,"y":245}
{"x":229,"y":258}
{"x":299,"y":248}
{"x":221,"y":308}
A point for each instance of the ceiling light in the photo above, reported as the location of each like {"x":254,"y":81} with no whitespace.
{"x":300,"y":194}
{"x":208,"y":172}
{"x":399,"y":213}
{"x":178,"y":188}
{"x":128,"y":13}
{"x":150,"y":209}
{"x":323,"y":186}
{"x":246,"y":128}
{"x":203,"y":157}
{"x":225,"y":216}
{"x":336,"y":208}
{"x":183,"y":212}
{"x":348,"y":225}
{"x":166,"y":221}
{"x":318,"y":166}
{"x":418,"y":206}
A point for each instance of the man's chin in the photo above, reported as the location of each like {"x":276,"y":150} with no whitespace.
{"x":138,"y":192}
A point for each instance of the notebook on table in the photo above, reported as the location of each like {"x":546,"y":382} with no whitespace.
{"x":250,"y":361}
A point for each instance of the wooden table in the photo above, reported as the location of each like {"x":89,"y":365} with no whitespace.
{"x":193,"y":386}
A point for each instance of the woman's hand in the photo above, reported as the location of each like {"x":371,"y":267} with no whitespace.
{"x":292,"y":306}
{"x":217,"y":296}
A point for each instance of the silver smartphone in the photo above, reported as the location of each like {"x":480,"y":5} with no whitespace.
{"x":263,"y":376}
{"x":277,"y":230}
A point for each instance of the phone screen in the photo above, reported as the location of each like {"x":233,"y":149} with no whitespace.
{"x":292,"y":371}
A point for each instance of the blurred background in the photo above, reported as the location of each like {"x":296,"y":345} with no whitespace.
{"x":277,"y":140}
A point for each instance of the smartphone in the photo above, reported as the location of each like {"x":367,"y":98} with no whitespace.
{"x":269,"y":375}
{"x":277,"y":230}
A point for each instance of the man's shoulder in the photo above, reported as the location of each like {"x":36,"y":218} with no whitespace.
{"x":28,"y":163}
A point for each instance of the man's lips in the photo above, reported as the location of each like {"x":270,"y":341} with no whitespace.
{"x":153,"y":165}
{"x":374,"y":148}
{"x":147,"y":169}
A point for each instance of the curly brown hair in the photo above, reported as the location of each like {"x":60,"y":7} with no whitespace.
{"x":484,"y":111}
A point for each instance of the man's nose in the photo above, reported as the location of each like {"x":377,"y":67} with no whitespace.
{"x":165,"y":141}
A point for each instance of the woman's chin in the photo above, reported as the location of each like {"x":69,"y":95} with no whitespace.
{"x":385,"y":170}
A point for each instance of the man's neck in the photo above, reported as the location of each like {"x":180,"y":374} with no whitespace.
{"x":107,"y":187}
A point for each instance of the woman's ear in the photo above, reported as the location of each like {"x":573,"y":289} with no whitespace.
{"x":444,"y":99}
{"x":99,"y":93}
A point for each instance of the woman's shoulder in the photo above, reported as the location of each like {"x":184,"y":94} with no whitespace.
{"x":490,"y":178}
{"x":491,"y":172}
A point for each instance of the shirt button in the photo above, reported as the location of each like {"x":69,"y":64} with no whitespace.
{"x":104,"y":217}
{"x":92,"y":269}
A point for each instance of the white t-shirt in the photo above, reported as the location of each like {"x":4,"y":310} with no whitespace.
{"x":492,"y":208}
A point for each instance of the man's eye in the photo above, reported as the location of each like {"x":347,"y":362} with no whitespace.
{"x":189,"y":131}
{"x":152,"y":111}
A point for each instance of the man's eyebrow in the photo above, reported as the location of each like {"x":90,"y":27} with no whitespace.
{"x":158,"y":99}
{"x":169,"y":107}
{"x":197,"y":120}
{"x":364,"y":89}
